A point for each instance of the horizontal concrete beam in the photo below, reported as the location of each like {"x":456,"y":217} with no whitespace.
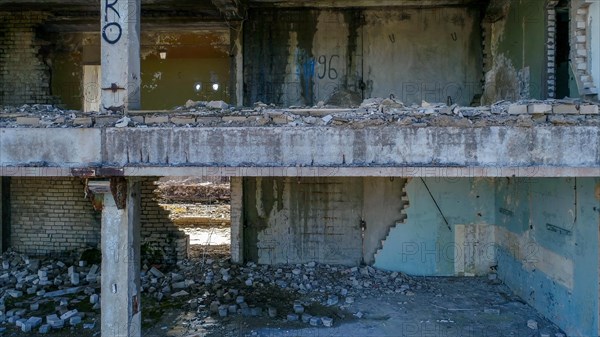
{"x":50,"y":147}
{"x":303,"y":151}
{"x":449,"y":172}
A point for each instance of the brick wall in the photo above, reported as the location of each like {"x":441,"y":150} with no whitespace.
{"x":158,"y":231}
{"x":51,"y":215}
{"x":551,"y":48}
{"x":24,"y":77}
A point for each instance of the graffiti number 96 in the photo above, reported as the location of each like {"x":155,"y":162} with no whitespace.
{"x":328,"y":68}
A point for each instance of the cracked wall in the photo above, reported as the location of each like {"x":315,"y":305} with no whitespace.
{"x":298,"y":220}
{"x":515,"y":33}
{"x":547,"y":247}
{"x":303,"y":56}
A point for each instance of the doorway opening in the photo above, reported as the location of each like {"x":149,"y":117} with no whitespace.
{"x":200,"y":207}
{"x":562,"y":50}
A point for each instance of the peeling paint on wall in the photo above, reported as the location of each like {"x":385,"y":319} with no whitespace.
{"x":364,"y":52}
{"x":517,"y":32}
{"x":547,"y":237}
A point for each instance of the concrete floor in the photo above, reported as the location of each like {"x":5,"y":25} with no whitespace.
{"x":443,"y":307}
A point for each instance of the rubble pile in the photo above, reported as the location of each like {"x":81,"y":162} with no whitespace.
{"x":48,"y":294}
{"x":372,"y":112}
{"x":295,"y":293}
{"x":42,"y":295}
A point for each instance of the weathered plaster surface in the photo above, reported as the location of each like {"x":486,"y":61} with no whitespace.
{"x":381,"y":151}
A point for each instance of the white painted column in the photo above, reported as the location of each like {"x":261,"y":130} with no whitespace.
{"x":237,"y":220}
{"x":120,"y":292}
{"x":120,"y":55}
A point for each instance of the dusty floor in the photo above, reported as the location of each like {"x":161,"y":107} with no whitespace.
{"x":368,"y":302}
{"x":382,"y":303}
{"x":459,"y":307}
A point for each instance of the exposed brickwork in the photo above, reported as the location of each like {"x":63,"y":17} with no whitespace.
{"x":51,"y":215}
{"x":24,"y":77}
{"x":580,"y":47}
{"x":158,"y":231}
{"x":551,"y":48}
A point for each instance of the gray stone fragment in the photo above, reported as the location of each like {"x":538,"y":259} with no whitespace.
{"x":44,"y":329}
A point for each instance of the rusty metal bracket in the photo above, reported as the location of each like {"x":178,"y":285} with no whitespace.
{"x":98,"y":172}
{"x":118,"y":188}
{"x":114,"y":87}
{"x":94,"y":190}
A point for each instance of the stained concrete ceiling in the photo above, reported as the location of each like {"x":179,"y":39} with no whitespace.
{"x":361,"y":3}
{"x":83,"y":15}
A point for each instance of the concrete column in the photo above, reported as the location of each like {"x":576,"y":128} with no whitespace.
{"x":120,"y":55}
{"x":237,"y":220}
{"x":1,"y":217}
{"x":121,"y":306}
{"x":237,"y":63}
{"x":4,"y":213}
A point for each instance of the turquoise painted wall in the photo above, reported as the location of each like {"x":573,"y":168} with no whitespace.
{"x":550,"y":222}
{"x":424,"y":245}
{"x":568,"y":204}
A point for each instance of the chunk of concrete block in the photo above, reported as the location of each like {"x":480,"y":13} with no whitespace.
{"x":564,"y":109}
{"x":44,"y":329}
{"x":26,"y":327}
{"x":157,"y":273}
{"x":28,"y":121}
{"x":75,"y":320}
{"x":532,"y":324}
{"x":539,"y":108}
{"x":588,"y":109}
{"x":68,"y":314}
{"x":75,"y":278}
{"x":34,"y":321}
{"x":517,"y":109}
{"x":82,"y":121}
{"x":327,"y":321}
{"x":14,"y":293}
{"x":217,"y":105}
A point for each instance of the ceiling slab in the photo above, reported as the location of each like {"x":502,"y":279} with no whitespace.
{"x":362,"y":3}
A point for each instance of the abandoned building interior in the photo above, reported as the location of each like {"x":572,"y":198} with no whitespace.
{"x":421,"y":151}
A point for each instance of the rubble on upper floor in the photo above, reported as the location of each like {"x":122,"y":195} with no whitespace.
{"x":372,"y":112}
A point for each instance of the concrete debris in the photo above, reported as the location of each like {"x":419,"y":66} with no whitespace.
{"x":123,"y":122}
{"x":371,"y":112}
{"x":48,"y":283}
{"x":220,"y":288}
{"x":532,"y":324}
{"x":217,"y":105}
{"x":312,"y":294}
